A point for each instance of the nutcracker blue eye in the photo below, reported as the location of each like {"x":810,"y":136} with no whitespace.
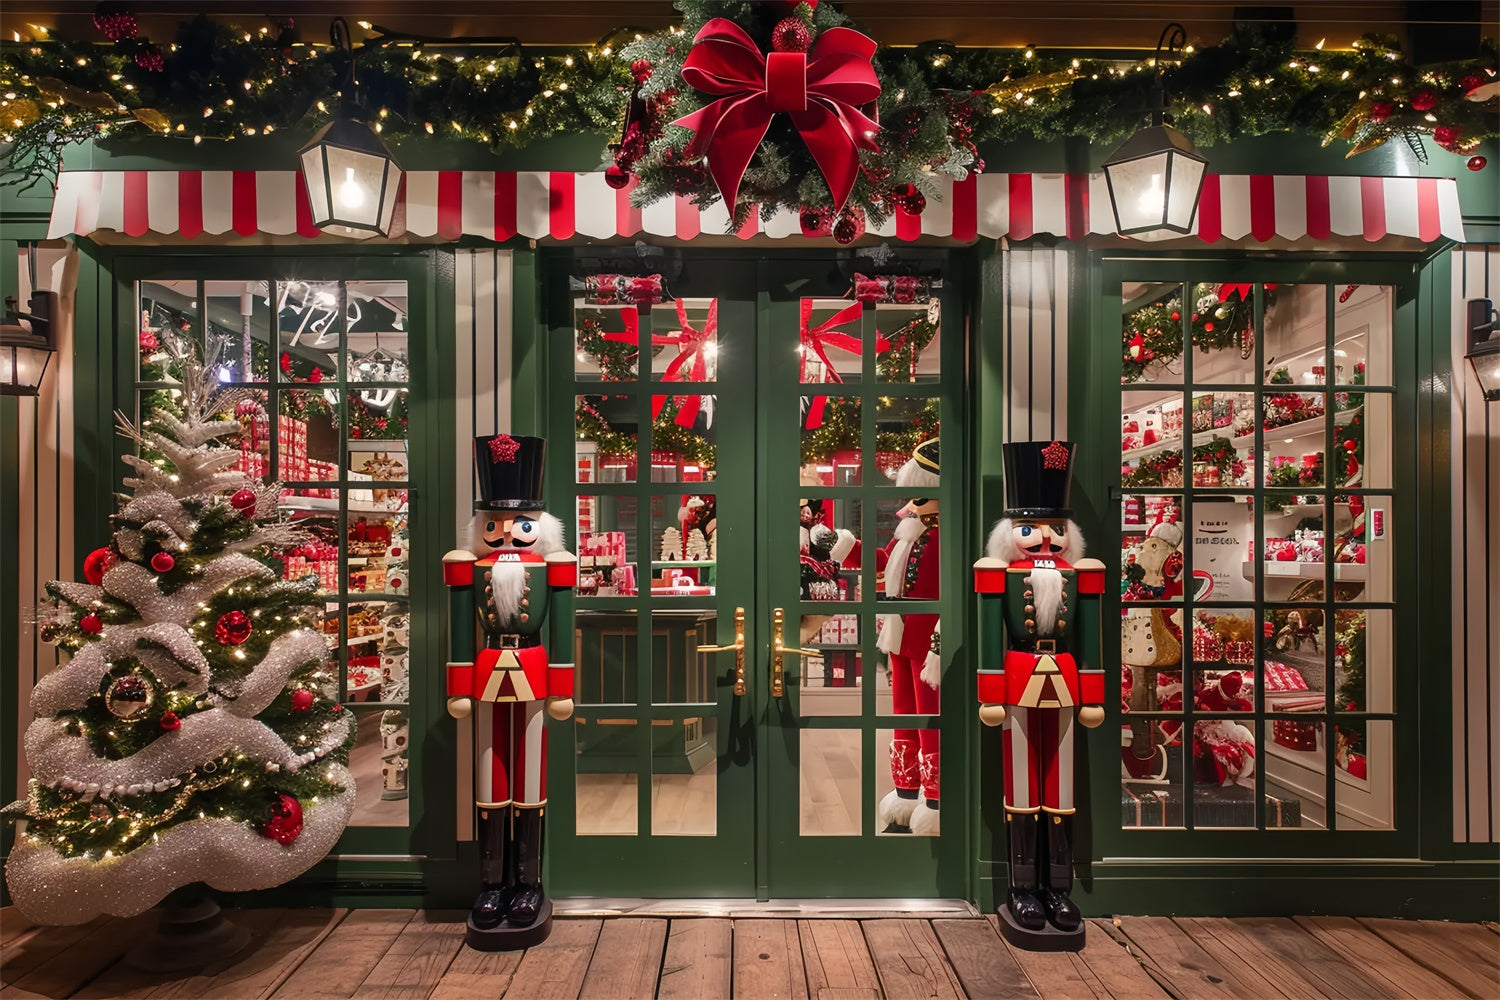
{"x":524,"y":531}
{"x":1025,"y":531}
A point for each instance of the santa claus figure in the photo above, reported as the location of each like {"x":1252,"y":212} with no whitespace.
{"x":1031,"y":582}
{"x":508,"y":586}
{"x":908,"y":568}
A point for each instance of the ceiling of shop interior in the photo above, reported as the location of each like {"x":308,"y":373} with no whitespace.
{"x":1075,"y":24}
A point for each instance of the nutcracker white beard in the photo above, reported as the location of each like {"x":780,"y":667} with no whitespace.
{"x":508,"y":585}
{"x":908,"y":530}
{"x":1047,"y":595}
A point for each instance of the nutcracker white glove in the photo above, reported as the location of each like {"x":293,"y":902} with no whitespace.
{"x":1091,"y":715}
{"x":460,"y":708}
{"x":560,"y":708}
{"x":992,"y":715}
{"x":932,"y":665}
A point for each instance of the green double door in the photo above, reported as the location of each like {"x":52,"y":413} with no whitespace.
{"x":728,"y":458}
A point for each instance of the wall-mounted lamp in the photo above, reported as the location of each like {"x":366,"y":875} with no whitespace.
{"x":1484,"y":346}
{"x":1156,"y":176}
{"x":351,"y":177}
{"x":27,"y":342}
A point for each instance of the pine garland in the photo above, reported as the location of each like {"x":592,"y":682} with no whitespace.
{"x":617,"y":359}
{"x":938,"y":103}
{"x":1152,"y":334}
{"x":840,"y":431}
{"x":589,"y":424}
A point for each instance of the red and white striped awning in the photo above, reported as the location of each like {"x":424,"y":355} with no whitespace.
{"x":447,"y":204}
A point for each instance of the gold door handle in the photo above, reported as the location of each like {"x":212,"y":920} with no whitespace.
{"x":778,"y":647}
{"x":739,"y":651}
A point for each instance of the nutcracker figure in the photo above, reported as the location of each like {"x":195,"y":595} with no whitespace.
{"x":908,"y":568}
{"x":509,"y":586}
{"x":1030,"y":583}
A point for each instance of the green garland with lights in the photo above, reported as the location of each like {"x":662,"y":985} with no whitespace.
{"x":666,"y":434}
{"x":939,"y":103}
{"x":616,"y":358}
{"x":1152,"y":334}
{"x":840,"y":431}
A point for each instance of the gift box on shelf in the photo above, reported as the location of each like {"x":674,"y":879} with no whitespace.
{"x":1203,"y":412}
{"x":1207,"y":647}
{"x":1295,"y":735}
{"x":1150,"y":805}
{"x":617,"y":468}
{"x":840,"y":469}
{"x":666,"y":466}
{"x":1234,"y":805}
{"x":1134,"y":509}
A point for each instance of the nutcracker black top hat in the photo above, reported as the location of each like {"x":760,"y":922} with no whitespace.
{"x":510,"y":472}
{"x":926,"y":455}
{"x":1038,"y":478}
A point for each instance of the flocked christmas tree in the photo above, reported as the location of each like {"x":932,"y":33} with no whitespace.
{"x":190,"y":738}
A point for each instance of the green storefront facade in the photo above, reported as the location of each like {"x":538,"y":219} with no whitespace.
{"x":671,"y":781}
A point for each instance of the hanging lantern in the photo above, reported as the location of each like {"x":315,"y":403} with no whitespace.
{"x":27,"y":343}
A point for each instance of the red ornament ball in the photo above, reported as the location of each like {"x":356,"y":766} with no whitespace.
{"x":233,"y":628}
{"x":616,"y":176}
{"x":302,"y":700}
{"x":903,"y":191}
{"x":91,"y":623}
{"x":1447,"y":135}
{"x":150,"y":59}
{"x":243,"y":500}
{"x":170,"y":722}
{"x":914,"y":204}
{"x":1351,"y":445}
{"x":1208,"y":328}
{"x":791,"y":35}
{"x":846,"y":231}
{"x":163,"y":562}
{"x":1476,"y":163}
{"x":115,"y":22}
{"x":1176,"y":317}
{"x":641,"y":70}
{"x":97,"y":563}
{"x":810,"y":219}
{"x":1381,"y":110}
{"x":1424,"y":100}
{"x":284,"y":825}
{"x":1470,"y":81}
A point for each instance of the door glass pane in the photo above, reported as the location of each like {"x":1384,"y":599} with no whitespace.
{"x":680,"y":675}
{"x":1362,"y":440}
{"x":1362,"y":334}
{"x":606,"y":546}
{"x":908,"y":342}
{"x":828,"y":776}
{"x":1222,"y":318}
{"x":830,"y":682}
{"x":1223,"y":657}
{"x":309,"y":323}
{"x":901,"y":424}
{"x":605,"y":654}
{"x":607,"y":343}
{"x":1153,"y":566}
{"x":1294,"y":640}
{"x":1364,"y":788}
{"x":684,"y":544}
{"x":239,"y":315}
{"x":828,"y":555}
{"x":1364,"y":660}
{"x":685,"y":340}
{"x":1223,"y":535}
{"x":683,"y":439}
{"x":1296,"y":780}
{"x":1151,"y":340}
{"x":685,"y":778}
{"x":166,"y":308}
{"x":831,"y":345}
{"x":1152,"y":785}
{"x":254,"y":438}
{"x":318,"y":555}
{"x":605,"y":439}
{"x":376,"y":346}
{"x":1223,"y":773}
{"x":1151,"y":432}
{"x":906,"y":567}
{"x":1295,"y":430}
{"x":910,"y":658}
{"x":1296,"y":336}
{"x":906,"y":782}
{"x":607,"y":775}
{"x":307,"y":435}
{"x":831,"y":442}
{"x":379,"y":764}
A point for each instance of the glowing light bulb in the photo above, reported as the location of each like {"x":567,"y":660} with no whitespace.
{"x":351,"y":192}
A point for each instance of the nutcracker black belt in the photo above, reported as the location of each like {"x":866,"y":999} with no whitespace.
{"x":513,"y":641}
{"x":1039,"y":646}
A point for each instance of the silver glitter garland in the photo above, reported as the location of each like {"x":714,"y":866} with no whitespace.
{"x":164,"y":647}
{"x":227,"y":854}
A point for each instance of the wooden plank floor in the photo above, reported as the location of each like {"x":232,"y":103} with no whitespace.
{"x":400,"y":953}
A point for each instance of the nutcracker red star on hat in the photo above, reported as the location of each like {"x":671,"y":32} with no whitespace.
{"x":508,"y":588}
{"x":1031,"y":583}
{"x":910,"y":570}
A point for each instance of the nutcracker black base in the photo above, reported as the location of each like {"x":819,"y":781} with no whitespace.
{"x":1049,"y":938}
{"x":508,"y":938}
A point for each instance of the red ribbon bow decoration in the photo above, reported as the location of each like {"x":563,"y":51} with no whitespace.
{"x":690,"y":342}
{"x":816,"y":341}
{"x":821,"y":89}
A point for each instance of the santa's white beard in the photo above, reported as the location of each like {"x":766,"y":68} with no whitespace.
{"x":908,"y":530}
{"x":1047,"y":595}
{"x":508,"y":585}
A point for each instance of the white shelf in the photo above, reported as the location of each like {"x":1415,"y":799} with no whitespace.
{"x":1342,"y":572}
{"x":1301,"y":429}
{"x":332,"y":504}
{"x":685,"y":563}
{"x":375,"y":444}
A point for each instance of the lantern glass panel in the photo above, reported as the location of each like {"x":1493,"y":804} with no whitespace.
{"x":1182,"y":192}
{"x":22,"y":368}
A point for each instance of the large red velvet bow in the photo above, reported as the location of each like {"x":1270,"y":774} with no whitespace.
{"x":690,"y":343}
{"x":817,"y":340}
{"x":821,"y":89}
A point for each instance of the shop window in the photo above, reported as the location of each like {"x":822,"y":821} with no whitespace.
{"x":1256,"y":566}
{"x":326,"y":363}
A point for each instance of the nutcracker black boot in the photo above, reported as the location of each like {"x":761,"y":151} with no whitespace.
{"x":1061,"y":911}
{"x":1023,"y":903}
{"x":497,"y":868}
{"x":529,"y":902}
